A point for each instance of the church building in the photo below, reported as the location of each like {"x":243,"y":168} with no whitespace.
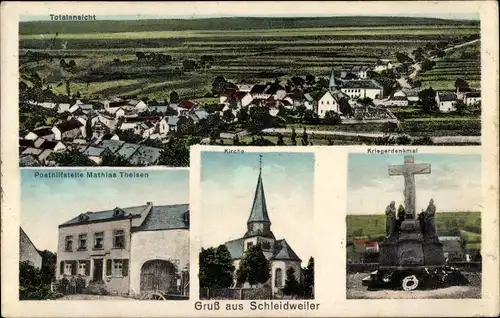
{"x":279,"y":253}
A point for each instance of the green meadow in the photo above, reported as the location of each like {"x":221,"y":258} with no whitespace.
{"x":252,"y":49}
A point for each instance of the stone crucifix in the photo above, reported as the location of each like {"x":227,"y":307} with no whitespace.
{"x":408,"y":170}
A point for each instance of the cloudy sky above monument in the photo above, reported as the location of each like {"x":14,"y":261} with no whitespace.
{"x":227,"y":188}
{"x":47,"y":203}
{"x":454,"y":183}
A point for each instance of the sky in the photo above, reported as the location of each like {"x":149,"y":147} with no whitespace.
{"x":454,"y":183}
{"x":228,"y":183}
{"x":458,"y":16}
{"x":47,"y":203}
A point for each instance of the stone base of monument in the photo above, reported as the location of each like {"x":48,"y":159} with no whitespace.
{"x":414,"y":277}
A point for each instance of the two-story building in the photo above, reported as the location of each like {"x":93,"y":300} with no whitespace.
{"x":111,"y":248}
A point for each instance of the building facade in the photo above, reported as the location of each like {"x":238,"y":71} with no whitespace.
{"x":28,"y":251}
{"x":104,"y":248}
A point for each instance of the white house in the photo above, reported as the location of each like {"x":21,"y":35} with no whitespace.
{"x":327,"y":103}
{"x":160,"y":246}
{"x":44,"y":132}
{"x":63,"y":107}
{"x":399,"y":101}
{"x":139,"y":105}
{"x":67,"y":130}
{"x":107,"y":120}
{"x":446,"y":101}
{"x":383,"y":65}
{"x":471,"y":98}
{"x":362,"y":89}
{"x":245,"y":87}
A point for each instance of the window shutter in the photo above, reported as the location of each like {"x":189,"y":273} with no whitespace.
{"x":74,"y":268}
{"x":108,"y":267}
{"x":87,"y":268}
{"x":61,"y":268}
{"x":125,"y":267}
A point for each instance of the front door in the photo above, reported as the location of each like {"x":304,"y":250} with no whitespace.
{"x":98,"y":269}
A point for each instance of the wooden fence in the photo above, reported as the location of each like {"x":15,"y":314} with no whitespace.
{"x":236,"y":293}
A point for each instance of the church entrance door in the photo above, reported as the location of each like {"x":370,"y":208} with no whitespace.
{"x":159,"y":275}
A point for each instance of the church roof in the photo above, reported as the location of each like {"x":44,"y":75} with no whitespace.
{"x":166,"y":217}
{"x":259,"y":207}
{"x":283,"y":251}
{"x":235,"y":248}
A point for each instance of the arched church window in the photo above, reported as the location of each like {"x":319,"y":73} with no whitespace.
{"x":278,"y":277}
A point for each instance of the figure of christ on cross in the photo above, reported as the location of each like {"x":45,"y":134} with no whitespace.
{"x":408,"y":170}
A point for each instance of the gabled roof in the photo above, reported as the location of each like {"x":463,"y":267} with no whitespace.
{"x":361,"y":84}
{"x":146,"y":155}
{"x":106,"y":215}
{"x":447,"y":96}
{"x":127,"y":150}
{"x":283,"y":251}
{"x":472,"y":94}
{"x":94,"y":151}
{"x":235,"y":248}
{"x":112,"y":145}
{"x":187,"y":104}
{"x":166,"y":217}
{"x":172,"y":120}
{"x":69,"y":125}
{"x":259,"y":207}
{"x":258,"y":89}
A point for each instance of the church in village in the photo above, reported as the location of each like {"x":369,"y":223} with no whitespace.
{"x":279,"y":253}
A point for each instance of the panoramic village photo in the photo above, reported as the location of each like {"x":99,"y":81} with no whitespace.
{"x":138,"y":91}
{"x":104,"y":237}
{"x":414,"y":226}
{"x":257,"y":236}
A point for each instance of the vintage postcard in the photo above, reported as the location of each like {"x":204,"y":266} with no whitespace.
{"x":421,"y":232}
{"x":234,"y":159}
{"x":121,"y":90}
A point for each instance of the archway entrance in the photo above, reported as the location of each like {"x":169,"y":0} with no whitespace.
{"x":159,"y":275}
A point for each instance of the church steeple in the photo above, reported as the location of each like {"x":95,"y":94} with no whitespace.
{"x":332,"y":84}
{"x":258,"y":222}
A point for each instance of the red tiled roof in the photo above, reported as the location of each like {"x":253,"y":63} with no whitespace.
{"x":187,"y":104}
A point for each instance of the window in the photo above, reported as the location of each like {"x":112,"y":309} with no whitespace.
{"x":119,"y":239}
{"x":249,"y":244}
{"x":69,"y":243}
{"x":81,"y":268}
{"x":328,"y":102}
{"x":117,"y":268}
{"x":82,"y":239}
{"x":322,"y":102}
{"x":278,"y":277}
{"x":266,"y":245}
{"x":67,"y":268}
{"x":99,"y":240}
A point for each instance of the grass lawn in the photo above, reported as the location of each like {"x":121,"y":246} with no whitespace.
{"x":374,"y":225}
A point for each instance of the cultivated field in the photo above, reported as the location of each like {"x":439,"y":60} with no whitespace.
{"x":249,"y":49}
{"x":464,"y":62}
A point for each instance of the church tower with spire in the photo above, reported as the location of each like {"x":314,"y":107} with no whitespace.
{"x":332,"y":85}
{"x":278,"y":252}
{"x":258,"y":223}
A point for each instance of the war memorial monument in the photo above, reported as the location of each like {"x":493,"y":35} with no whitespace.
{"x":412,"y":256}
